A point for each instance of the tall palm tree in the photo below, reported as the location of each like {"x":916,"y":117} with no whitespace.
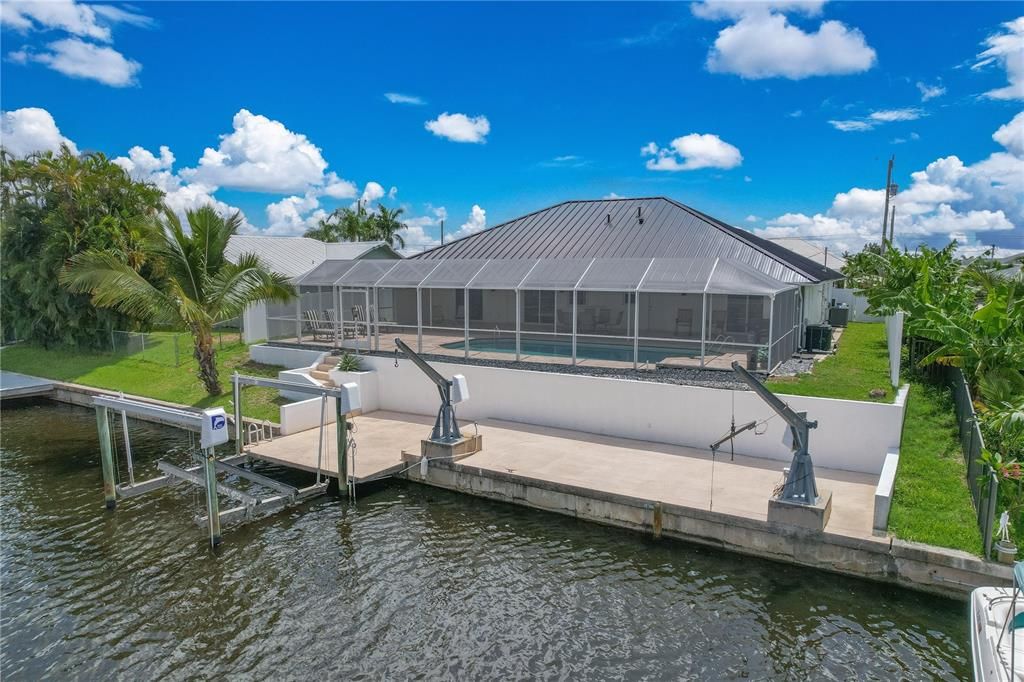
{"x":386,"y":226}
{"x":193,"y":284}
{"x":344,"y":225}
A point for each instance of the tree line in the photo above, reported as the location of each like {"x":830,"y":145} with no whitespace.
{"x":86,"y":250}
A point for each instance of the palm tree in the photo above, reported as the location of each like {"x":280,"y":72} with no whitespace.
{"x":193,"y":284}
{"x":386,"y":226}
{"x":344,"y":225}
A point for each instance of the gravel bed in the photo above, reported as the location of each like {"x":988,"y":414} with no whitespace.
{"x":794,"y":367}
{"x":684,"y":376}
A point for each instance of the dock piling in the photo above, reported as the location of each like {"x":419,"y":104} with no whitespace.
{"x":212,"y":503}
{"x":106,"y":458}
{"x":341,"y":422}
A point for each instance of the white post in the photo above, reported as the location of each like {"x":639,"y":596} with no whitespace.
{"x":366,"y":316}
{"x":341,"y":313}
{"x":518,"y":330}
{"x":419,"y":320}
{"x":636,"y":329}
{"x":298,"y":316}
{"x":703,"y":325}
{"x":771,"y":322}
{"x":573,"y":325}
{"x":465,"y":323}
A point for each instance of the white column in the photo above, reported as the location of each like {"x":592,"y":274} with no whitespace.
{"x":419,"y":320}
{"x":465,"y":323}
{"x":703,"y":325}
{"x":518,"y":330}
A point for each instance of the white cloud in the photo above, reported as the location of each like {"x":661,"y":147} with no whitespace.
{"x":763,"y":44}
{"x":1006,"y":49}
{"x":1011,"y":135}
{"x":338,"y":188}
{"x":889,"y":115}
{"x":399,"y":98}
{"x":752,"y":218}
{"x":851,"y":126}
{"x":459,"y":127}
{"x":31,"y":129}
{"x":373,"y":192}
{"x":64,"y":15}
{"x":289,"y":215}
{"x":179,"y":196}
{"x":692,"y":152}
{"x":416,"y":235}
{"x":947,"y":199}
{"x":877,"y":118}
{"x":75,"y":55}
{"x":476,"y":222}
{"x":930,"y":91}
{"x":260,"y":155}
{"x":79,"y":59}
{"x":611,"y":195}
{"x":796,"y":114}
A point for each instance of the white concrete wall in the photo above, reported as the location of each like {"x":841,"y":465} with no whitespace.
{"x":894,"y":341}
{"x":367,"y":382}
{"x":304,"y":415}
{"x":858,"y":304}
{"x":254,"y":323}
{"x":291,"y":358}
{"x":851,"y":435}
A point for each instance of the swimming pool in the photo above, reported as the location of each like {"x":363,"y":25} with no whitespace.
{"x":587,"y":351}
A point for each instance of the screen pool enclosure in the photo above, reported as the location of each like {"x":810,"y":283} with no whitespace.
{"x":600,"y":312}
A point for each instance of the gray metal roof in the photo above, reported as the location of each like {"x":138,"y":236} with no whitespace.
{"x":630,"y":228}
{"x":294,"y":256}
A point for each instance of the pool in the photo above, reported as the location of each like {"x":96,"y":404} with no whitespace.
{"x":586,"y":351}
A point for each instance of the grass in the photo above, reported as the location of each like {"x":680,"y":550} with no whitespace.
{"x":931,"y":502}
{"x":860,"y":364}
{"x":151,"y":373}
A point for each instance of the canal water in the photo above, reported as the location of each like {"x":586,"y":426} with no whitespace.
{"x":409,"y":582}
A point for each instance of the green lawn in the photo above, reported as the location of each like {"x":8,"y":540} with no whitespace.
{"x":859,"y":365}
{"x":931,"y":502}
{"x":150,"y":373}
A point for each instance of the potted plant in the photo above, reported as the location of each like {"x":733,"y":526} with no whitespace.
{"x":350,"y":370}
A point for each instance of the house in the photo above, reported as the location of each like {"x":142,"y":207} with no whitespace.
{"x":605,"y":283}
{"x":295,"y":256}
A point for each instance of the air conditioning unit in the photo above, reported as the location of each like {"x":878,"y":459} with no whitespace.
{"x":839,"y":316}
{"x":818,"y":337}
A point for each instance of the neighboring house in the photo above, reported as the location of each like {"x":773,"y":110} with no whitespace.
{"x":816,"y":307}
{"x":295,"y":256}
{"x":620,"y":282}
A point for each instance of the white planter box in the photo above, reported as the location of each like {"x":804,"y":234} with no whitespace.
{"x":367,"y":382}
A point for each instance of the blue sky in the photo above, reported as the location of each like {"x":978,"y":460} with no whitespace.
{"x":776,"y":117}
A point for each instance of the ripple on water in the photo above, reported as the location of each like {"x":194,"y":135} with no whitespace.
{"x":408,"y":582}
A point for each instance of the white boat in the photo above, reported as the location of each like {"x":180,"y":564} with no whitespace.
{"x":997,"y":631}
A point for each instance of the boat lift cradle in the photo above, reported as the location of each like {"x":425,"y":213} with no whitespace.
{"x":204,"y":474}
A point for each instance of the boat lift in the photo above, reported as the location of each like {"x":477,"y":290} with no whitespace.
{"x":212,"y":425}
{"x":456,"y":390}
{"x":800,"y":486}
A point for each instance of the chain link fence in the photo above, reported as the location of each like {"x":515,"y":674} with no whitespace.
{"x":981,"y":479}
{"x":169,"y":348}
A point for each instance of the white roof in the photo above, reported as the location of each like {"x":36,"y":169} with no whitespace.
{"x":293,"y":256}
{"x":812,"y":250}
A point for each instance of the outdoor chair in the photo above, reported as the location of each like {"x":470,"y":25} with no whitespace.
{"x":316,"y":327}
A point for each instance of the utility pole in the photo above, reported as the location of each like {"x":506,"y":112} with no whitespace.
{"x":885,"y":211}
{"x":892,"y":220}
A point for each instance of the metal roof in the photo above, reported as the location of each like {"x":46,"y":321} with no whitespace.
{"x":294,"y":256}
{"x":818,"y":253}
{"x":652,"y":275}
{"x":630,"y":228}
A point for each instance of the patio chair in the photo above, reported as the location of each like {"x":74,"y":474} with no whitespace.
{"x":315,"y":326}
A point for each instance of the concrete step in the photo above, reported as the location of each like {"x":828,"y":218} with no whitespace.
{"x":322,"y":377}
{"x":326,"y":367}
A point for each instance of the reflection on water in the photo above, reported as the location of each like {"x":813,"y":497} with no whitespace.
{"x":409,"y":582}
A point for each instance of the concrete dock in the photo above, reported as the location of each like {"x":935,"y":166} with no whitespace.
{"x":14,"y":385}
